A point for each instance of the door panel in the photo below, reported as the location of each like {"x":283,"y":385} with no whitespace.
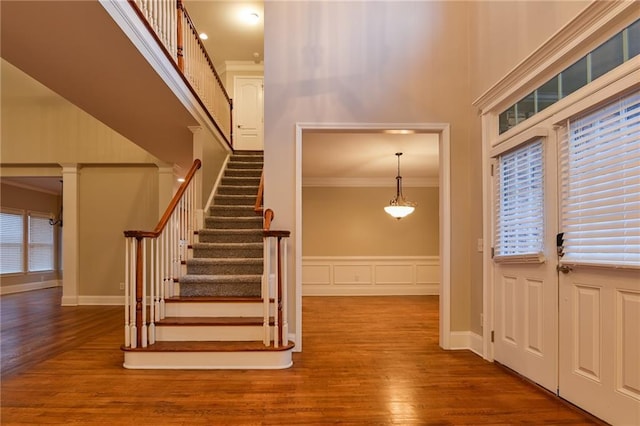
{"x":525,"y":321}
{"x":600,"y":333}
{"x":248,"y":108}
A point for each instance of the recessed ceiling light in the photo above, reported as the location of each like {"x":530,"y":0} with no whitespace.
{"x":180,"y":179}
{"x":251,"y":17}
{"x":203,"y":36}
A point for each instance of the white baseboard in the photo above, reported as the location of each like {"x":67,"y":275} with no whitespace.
{"x":466,"y":340}
{"x":101,"y":300}
{"x":38,"y":285}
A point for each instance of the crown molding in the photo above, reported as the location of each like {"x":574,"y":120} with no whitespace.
{"x":596,"y":20}
{"x":370,"y":182}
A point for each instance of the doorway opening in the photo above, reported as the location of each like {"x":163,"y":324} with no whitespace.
{"x":329,"y":150}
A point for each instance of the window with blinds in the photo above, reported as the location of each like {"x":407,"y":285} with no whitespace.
{"x":519,"y":205}
{"x":11,"y":242}
{"x":41,"y":249}
{"x":600,"y":177}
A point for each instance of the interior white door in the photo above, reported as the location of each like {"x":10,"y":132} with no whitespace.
{"x":248,"y":109}
{"x":525,"y":285}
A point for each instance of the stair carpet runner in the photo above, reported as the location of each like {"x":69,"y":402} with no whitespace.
{"x":219,"y":309}
{"x":227,"y":260}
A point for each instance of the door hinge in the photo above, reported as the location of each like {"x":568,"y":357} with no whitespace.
{"x":493,"y":335}
{"x":492,"y":170}
{"x":493,"y":252}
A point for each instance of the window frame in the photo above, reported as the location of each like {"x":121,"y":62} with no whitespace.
{"x":22,"y":214}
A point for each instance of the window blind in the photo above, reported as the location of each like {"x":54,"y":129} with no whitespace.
{"x":520,"y":204}
{"x":40,"y":243}
{"x":600,"y":178}
{"x":11,"y":242}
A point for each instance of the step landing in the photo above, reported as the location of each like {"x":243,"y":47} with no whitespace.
{"x":190,"y":355}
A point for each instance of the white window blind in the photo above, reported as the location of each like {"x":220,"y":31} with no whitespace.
{"x":600,"y":170}
{"x":520,"y":204}
{"x":11,"y":242}
{"x":41,"y":250}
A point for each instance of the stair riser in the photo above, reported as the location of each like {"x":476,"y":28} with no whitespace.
{"x":238,"y":190}
{"x":222,"y":237}
{"x":251,"y":289}
{"x":232,"y":211}
{"x":227,"y":252}
{"x":216,"y":309}
{"x":249,"y":223}
{"x":234,"y":200}
{"x":272,"y":360}
{"x":240,"y":181}
{"x":246,"y":159}
{"x":235,"y":165}
{"x":204,"y":333}
{"x":224,"y":269}
{"x":253,"y":173}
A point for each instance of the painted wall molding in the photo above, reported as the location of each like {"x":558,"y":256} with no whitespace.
{"x":370,"y":275}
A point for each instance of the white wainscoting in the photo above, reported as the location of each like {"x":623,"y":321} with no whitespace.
{"x":370,"y":275}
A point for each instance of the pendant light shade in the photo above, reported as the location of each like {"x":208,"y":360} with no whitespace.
{"x":399,"y":207}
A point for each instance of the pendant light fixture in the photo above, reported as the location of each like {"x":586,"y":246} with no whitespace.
{"x":399,"y":207}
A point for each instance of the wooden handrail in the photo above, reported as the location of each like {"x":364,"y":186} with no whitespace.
{"x":170,"y":208}
{"x":258,"y":206}
{"x":268,"y":217}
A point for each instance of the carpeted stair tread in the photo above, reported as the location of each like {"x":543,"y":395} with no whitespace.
{"x":230,"y":235}
{"x":210,"y":346}
{"x":232,"y":211}
{"x":222,"y":279}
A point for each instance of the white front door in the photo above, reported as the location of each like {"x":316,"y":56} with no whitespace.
{"x":248,"y":107}
{"x":600,"y":284}
{"x":525,"y":278}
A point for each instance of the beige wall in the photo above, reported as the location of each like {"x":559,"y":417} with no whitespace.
{"x":352,"y":222}
{"x":29,"y":200}
{"x":369,"y":62}
{"x":395,"y":61}
{"x":506,"y":32}
{"x":112,"y":199}
{"x":40,"y":132}
{"x":502,"y":35}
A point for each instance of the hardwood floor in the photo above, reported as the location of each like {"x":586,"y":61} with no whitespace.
{"x":366,"y":360}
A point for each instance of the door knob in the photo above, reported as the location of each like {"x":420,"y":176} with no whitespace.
{"x":565,"y":269}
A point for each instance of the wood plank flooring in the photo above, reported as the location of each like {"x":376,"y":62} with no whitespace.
{"x":365,"y":361}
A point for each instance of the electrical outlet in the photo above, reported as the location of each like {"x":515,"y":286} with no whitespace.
{"x":121,"y":286}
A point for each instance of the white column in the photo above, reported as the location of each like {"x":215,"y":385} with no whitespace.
{"x":70,"y":235}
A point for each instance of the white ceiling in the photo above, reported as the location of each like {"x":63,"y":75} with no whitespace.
{"x":231,"y":38}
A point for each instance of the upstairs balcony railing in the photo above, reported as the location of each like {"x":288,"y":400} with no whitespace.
{"x":170,"y":23}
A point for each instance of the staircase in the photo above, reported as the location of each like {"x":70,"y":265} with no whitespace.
{"x":217,"y":320}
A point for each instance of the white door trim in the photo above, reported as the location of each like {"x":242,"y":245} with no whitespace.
{"x":442,"y":129}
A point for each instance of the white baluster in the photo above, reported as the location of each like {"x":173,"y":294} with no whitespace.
{"x":127,"y":268}
{"x":265,"y":310}
{"x":152,"y":292}
{"x":132,"y":301}
{"x":144,"y":294}
{"x":285,"y":288}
